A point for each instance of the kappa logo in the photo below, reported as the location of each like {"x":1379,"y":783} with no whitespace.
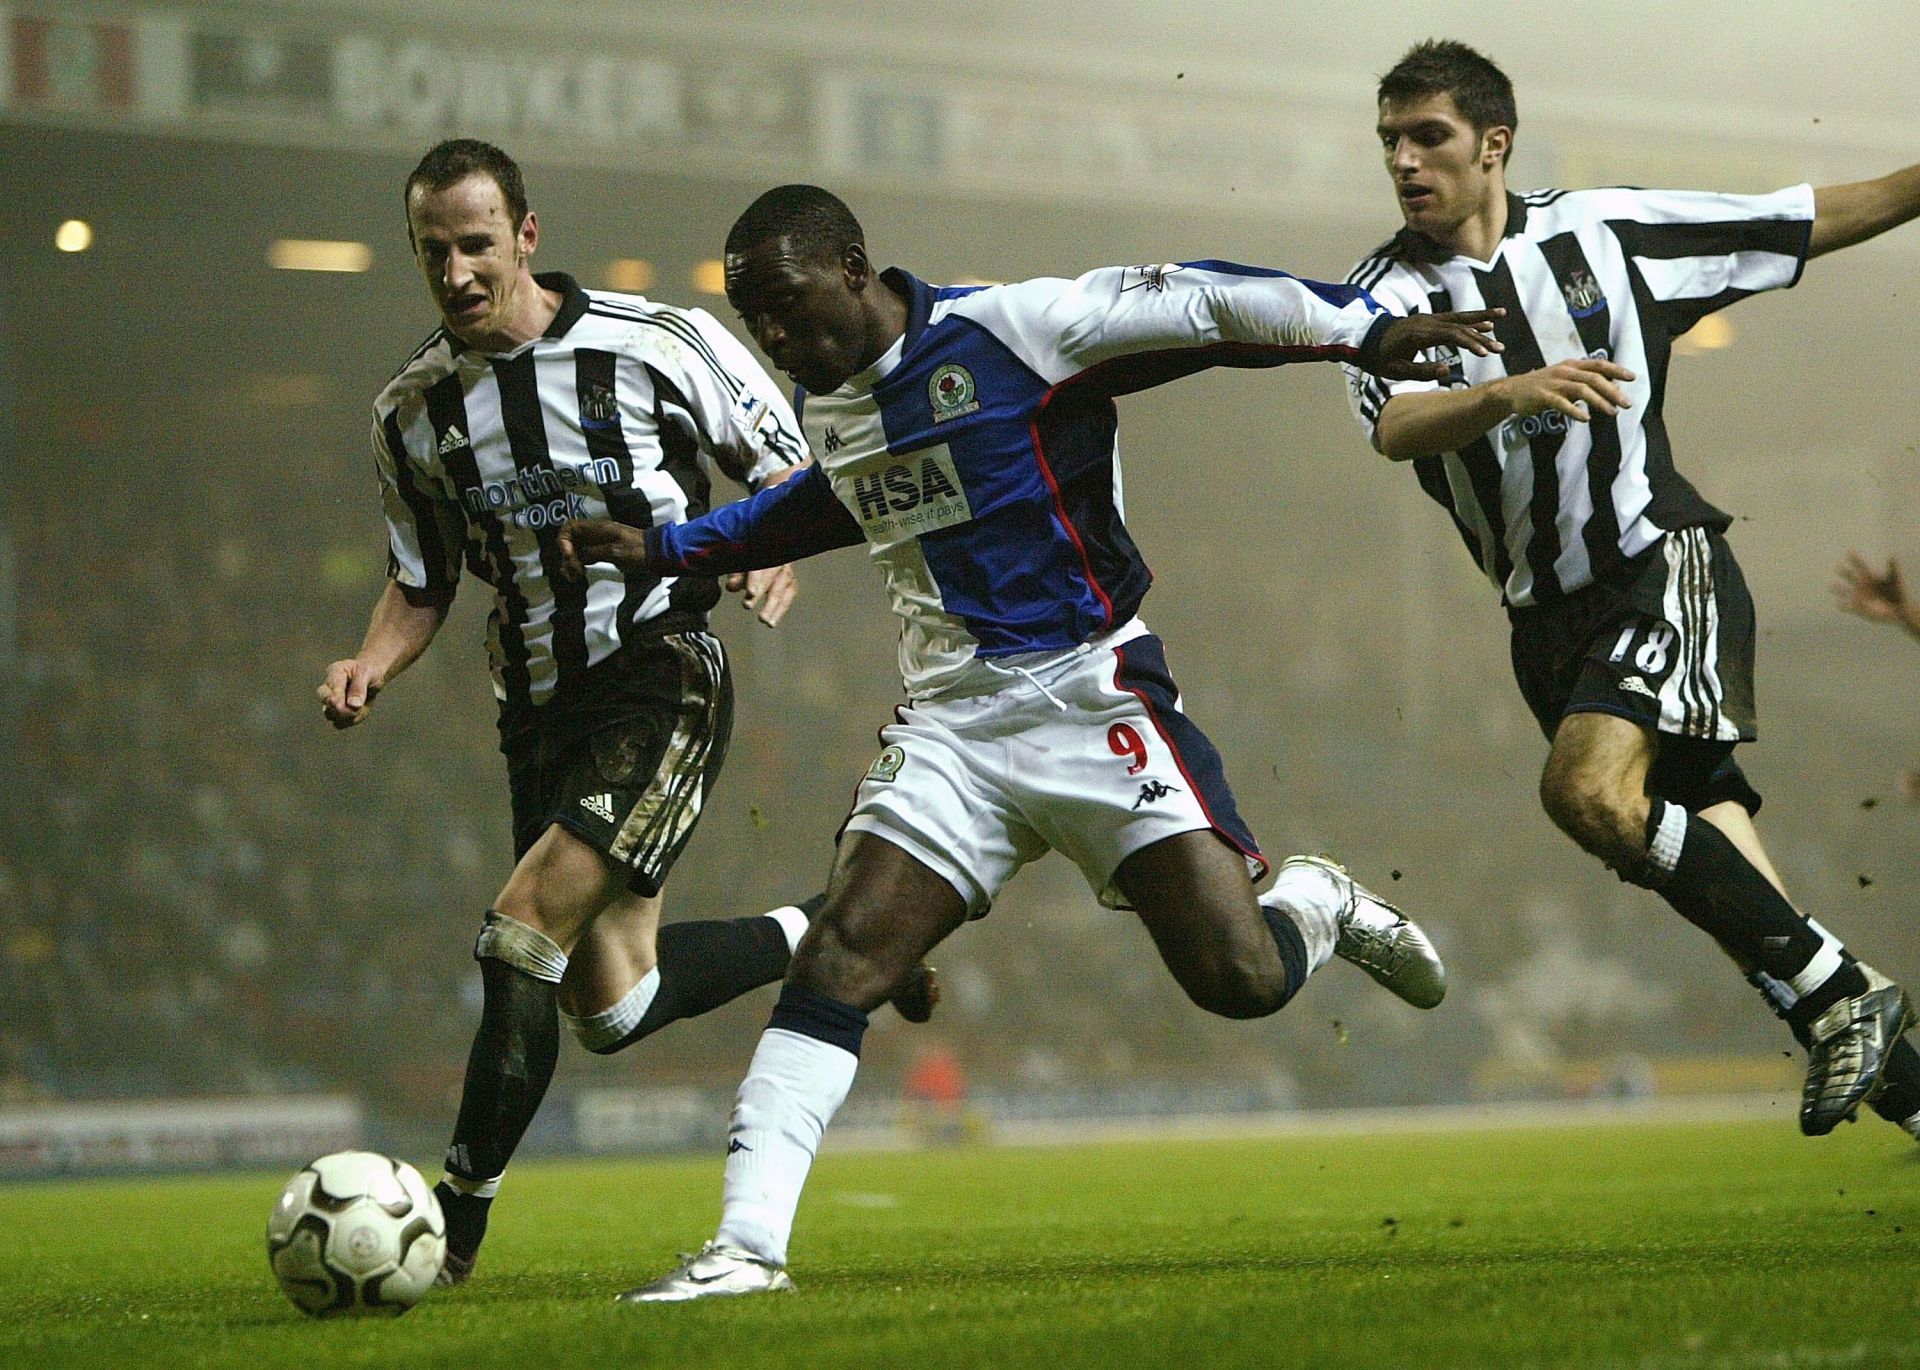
{"x":599,"y":805}
{"x":1633,"y":684}
{"x":831,"y":442}
{"x":1583,"y":293}
{"x":1153,"y":791}
{"x":735,"y":1144}
{"x":453,"y":440}
{"x":951,"y":392}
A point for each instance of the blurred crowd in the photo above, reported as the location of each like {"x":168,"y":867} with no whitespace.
{"x":204,"y":891}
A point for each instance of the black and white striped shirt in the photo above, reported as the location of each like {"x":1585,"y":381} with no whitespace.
{"x":1546,"y":505}
{"x":619,"y":411}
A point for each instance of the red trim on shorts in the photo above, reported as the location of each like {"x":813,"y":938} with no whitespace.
{"x":1199,"y":795}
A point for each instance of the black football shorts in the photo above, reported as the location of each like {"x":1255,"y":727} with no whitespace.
{"x":629,"y":768}
{"x":1668,"y":643}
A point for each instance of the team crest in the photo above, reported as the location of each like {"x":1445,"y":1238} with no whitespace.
{"x":597,"y":404}
{"x":951,"y":393}
{"x":886,"y":765}
{"x":1583,"y":293}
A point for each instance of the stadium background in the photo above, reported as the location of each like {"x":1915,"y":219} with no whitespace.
{"x":204,"y":893}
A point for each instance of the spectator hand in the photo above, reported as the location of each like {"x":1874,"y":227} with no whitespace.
{"x":1877,"y":595}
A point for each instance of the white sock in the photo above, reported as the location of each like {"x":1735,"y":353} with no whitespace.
{"x":1310,"y":897}
{"x":479,"y":1189}
{"x":1912,"y":1126}
{"x":1821,"y":967}
{"x":792,"y":922}
{"x":609,"y":1025}
{"x":793,"y":1088}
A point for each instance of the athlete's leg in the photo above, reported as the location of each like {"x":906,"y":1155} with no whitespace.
{"x":1242,"y":957}
{"x":1898,"y":1098}
{"x":1229,"y":954}
{"x":885,"y":910}
{"x":629,"y":976}
{"x":548,"y":902}
{"x":1594,"y":788}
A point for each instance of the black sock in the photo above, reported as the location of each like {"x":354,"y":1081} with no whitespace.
{"x":1720,"y":892}
{"x":1293,"y":951}
{"x":508,"y":1069}
{"x":466,"y":1216}
{"x":710,"y":962}
{"x":1899,"y":1096}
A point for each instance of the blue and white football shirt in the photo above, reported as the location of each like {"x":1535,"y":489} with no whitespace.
{"x":978,"y":461}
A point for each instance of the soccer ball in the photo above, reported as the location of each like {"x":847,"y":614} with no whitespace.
{"x":356,"y":1233}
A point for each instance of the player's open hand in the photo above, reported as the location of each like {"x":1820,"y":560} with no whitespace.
{"x":347,"y":693}
{"x":585,"y":541}
{"x":1405,"y":339}
{"x":1579,"y":389}
{"x":769,"y":593}
{"x":1878,"y":595}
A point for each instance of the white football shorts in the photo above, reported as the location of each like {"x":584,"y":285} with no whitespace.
{"x":1088,"y":755}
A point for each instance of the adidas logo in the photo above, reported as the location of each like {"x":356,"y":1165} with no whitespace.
{"x":452,"y":440}
{"x":1638,"y":686}
{"x":599,"y":805}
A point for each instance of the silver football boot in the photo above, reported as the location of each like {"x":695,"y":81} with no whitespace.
{"x":1381,"y":940}
{"x":717,"y":1271}
{"x":1847,"y":1056}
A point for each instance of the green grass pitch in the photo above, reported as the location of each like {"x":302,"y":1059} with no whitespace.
{"x":1633,"y":1246}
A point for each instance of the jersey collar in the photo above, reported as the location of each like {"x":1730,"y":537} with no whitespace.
{"x":573,"y":302}
{"x":1418,"y":247}
{"x":919,"y":297}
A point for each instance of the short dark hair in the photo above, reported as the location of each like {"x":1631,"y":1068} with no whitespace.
{"x":1441,"y":66}
{"x":451,"y":162}
{"x":817,"y":221}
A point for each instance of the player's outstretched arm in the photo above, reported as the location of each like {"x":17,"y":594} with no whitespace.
{"x":586,"y":541}
{"x":1847,"y":214}
{"x":1877,"y":595}
{"x":785,"y":522}
{"x":1426,"y":423}
{"x":1391,"y":351}
{"x":398,"y":632}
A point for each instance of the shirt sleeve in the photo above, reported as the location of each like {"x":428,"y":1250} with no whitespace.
{"x":425,"y":531}
{"x":1125,"y":328}
{"x":744,"y":422}
{"x":1699,"y":251}
{"x":797,"y":518}
{"x":1367,"y":394}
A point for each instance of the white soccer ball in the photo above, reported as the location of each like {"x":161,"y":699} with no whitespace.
{"x":356,"y":1233}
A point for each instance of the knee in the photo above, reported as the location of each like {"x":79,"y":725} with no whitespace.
{"x":521,"y":901}
{"x":848,"y":960}
{"x":1241,"y":984}
{"x":1596,"y":813}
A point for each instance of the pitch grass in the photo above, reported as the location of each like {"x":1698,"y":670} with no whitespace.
{"x":1733,"y":1245}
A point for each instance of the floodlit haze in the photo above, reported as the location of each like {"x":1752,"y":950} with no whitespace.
{"x":191,"y":529}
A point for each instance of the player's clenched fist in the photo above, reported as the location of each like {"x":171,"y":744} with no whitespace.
{"x":584,"y":541}
{"x":347,"y":693}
